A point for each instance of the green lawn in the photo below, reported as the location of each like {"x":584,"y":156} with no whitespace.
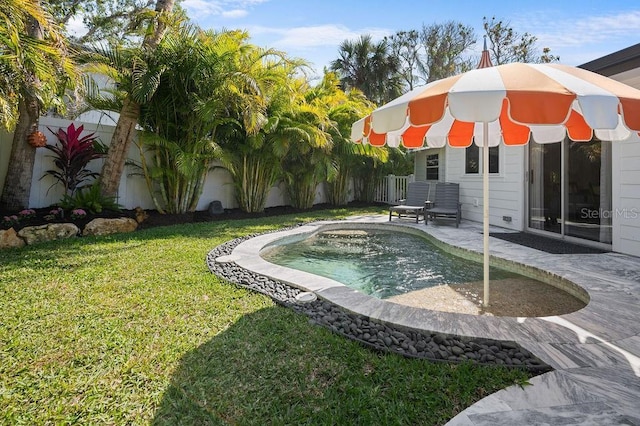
{"x":133,"y":329}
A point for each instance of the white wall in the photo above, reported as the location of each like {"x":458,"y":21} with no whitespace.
{"x":626,"y":197}
{"x":420,"y":163}
{"x":133,"y":190}
{"x":506,"y":189}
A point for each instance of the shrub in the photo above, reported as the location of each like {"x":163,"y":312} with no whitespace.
{"x":71,"y":155}
{"x":54,"y":214}
{"x":89,"y":199}
{"x":9,"y":221}
{"x":27,"y":214}
{"x":78,"y":214}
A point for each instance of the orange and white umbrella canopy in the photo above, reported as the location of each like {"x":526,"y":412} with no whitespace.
{"x":518,"y":101}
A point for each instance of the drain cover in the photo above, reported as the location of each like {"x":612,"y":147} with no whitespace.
{"x":305,"y":296}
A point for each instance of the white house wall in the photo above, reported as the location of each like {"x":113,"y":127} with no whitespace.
{"x":506,"y":189}
{"x":420,"y":163}
{"x":626,"y":197}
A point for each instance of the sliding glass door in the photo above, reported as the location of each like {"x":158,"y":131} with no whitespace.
{"x":545,"y":187}
{"x":570,"y":189}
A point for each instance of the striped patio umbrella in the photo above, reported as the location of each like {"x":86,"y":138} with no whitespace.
{"x":510,"y":104}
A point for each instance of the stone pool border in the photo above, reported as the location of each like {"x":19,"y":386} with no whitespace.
{"x":225,"y":261}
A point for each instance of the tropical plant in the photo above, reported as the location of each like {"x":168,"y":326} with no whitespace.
{"x":208,"y":82}
{"x":304,"y":133}
{"x":35,"y":68}
{"x":71,"y":155}
{"x":254,"y":145}
{"x":370,"y":67}
{"x":89,"y":198}
{"x":346,"y":157}
{"x":254,"y":169}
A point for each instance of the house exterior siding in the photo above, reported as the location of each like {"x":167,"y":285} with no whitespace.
{"x":626,"y":197}
{"x":506,"y":196}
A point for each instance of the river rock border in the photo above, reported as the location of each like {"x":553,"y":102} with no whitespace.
{"x":412,"y":343}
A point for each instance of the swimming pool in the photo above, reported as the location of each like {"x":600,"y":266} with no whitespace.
{"x":419,"y":307}
{"x":377,"y":262}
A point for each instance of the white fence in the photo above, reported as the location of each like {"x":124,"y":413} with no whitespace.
{"x":392,"y":188}
{"x":132,"y":191}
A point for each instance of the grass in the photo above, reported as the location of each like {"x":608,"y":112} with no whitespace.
{"x":133,"y":329}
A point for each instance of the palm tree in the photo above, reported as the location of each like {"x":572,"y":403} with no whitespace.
{"x":370,"y":68}
{"x":203,"y":82}
{"x":304,"y":134}
{"x":347,"y":158}
{"x":250,"y":141}
{"x":130,"y":112}
{"x":35,"y":68}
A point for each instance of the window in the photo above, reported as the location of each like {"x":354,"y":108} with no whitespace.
{"x":494,"y":157}
{"x":472,"y":159}
{"x":433,"y":167}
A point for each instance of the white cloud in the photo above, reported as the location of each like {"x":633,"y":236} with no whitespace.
{"x":582,"y":30}
{"x":202,"y":7}
{"x":224,"y":8}
{"x":235,"y":13}
{"x":318,"y":35}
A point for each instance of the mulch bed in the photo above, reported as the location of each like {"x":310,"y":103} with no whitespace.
{"x":155,"y":219}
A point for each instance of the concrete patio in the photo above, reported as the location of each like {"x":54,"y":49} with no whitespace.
{"x":595,"y":352}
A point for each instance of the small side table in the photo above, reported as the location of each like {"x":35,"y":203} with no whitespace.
{"x":427,"y":206}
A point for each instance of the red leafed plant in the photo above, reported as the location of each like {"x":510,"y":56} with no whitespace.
{"x":71,"y":154}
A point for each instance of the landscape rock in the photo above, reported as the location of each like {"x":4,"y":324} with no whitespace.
{"x":215,"y":208}
{"x":9,"y":239}
{"x":102,"y":226}
{"x":49,"y":232}
{"x":141,"y":214}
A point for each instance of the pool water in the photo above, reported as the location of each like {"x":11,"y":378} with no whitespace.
{"x":377,"y":262}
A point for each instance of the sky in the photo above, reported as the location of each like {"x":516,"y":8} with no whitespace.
{"x":576,"y":31}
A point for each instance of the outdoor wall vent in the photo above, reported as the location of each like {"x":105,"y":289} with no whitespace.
{"x":506,"y":218}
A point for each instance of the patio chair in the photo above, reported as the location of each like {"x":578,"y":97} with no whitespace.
{"x":413,"y":206}
{"x":446,"y":203}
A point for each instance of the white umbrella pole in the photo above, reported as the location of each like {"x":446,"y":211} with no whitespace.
{"x":485,"y":204}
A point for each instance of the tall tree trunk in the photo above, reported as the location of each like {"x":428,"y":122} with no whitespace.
{"x":119,"y":147}
{"x":123,"y":134}
{"x":17,"y":186}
